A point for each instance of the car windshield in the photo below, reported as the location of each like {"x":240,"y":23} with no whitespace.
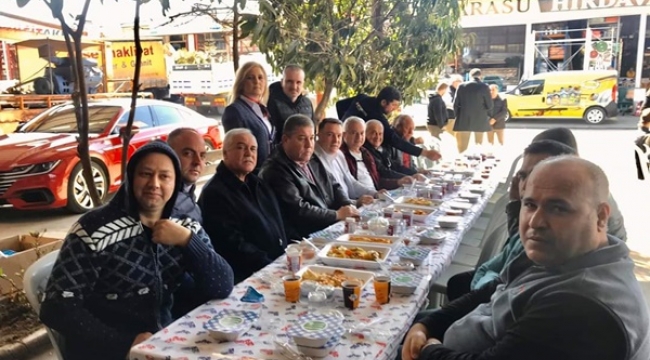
{"x":62,"y":120}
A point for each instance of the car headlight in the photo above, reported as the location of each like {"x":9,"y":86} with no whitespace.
{"x":38,"y":168}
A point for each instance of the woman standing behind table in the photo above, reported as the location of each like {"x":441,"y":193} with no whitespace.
{"x":248,"y":110}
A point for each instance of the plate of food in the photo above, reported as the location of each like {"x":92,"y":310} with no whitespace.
{"x":354,"y":255}
{"x":327,"y":276}
{"x":420,"y":203}
{"x":471,"y":197}
{"x":382,"y":240}
{"x":314,"y":330}
{"x":414,"y":254}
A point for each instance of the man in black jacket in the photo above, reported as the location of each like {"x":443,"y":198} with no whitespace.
{"x":471,"y":106}
{"x":242,"y":214}
{"x":111,"y":286}
{"x":309,"y":197}
{"x":498,"y":115}
{"x":377,"y":108}
{"x":572,"y":295}
{"x":286,"y":98}
{"x":189,"y":146}
{"x":382,"y":155}
{"x":437,"y":111}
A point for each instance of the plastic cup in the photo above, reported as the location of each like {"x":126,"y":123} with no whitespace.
{"x":382,"y":289}
{"x":291,"y":288}
{"x":351,"y":294}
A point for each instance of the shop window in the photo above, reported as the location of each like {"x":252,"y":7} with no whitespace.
{"x":178,"y":42}
{"x":497,"y":48}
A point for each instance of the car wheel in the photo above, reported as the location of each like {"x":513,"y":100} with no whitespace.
{"x":508,"y":116}
{"x":79,"y":200}
{"x":594,"y":115}
{"x":208,"y":145}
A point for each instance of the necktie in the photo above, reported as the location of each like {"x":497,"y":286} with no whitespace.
{"x":406,"y":160}
{"x":307,"y":172}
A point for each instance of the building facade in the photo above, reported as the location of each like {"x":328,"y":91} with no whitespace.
{"x":518,"y":38}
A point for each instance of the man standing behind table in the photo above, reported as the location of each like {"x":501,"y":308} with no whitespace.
{"x":286,"y":98}
{"x":571,"y":296}
{"x":242,"y":214}
{"x":377,"y":108}
{"x":309,"y":197}
{"x":498,"y":115}
{"x":189,"y":146}
{"x":437,"y":115}
{"x":361,"y":163}
{"x":471,"y":106}
{"x":111,"y":286}
{"x":330,"y":132}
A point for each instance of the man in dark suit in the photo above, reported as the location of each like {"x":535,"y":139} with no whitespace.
{"x":309,"y":197}
{"x":471,"y":106}
{"x":498,"y":115}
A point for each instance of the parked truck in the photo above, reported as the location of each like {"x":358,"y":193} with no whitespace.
{"x":204,"y":85}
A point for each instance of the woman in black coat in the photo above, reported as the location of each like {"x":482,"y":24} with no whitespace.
{"x":248,"y":110}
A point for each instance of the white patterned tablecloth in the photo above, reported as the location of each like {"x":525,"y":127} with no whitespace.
{"x":186,"y":338}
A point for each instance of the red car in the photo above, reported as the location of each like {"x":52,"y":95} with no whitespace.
{"x":39,"y":166}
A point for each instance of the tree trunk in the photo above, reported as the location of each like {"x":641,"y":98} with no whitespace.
{"x":83,"y":147}
{"x":126,"y":134}
{"x":319,"y":113}
{"x":235,"y":36}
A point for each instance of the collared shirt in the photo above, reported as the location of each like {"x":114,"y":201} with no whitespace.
{"x":257,"y":109}
{"x":363,"y":175}
{"x":336,"y":165}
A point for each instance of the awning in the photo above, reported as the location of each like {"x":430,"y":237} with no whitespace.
{"x":189,"y":24}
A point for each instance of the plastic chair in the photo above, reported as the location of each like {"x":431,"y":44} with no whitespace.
{"x":34,"y":283}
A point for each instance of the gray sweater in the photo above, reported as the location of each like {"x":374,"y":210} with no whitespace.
{"x":603,"y":279}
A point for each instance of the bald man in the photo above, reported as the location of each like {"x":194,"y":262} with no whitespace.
{"x":189,"y":146}
{"x":571,"y":296}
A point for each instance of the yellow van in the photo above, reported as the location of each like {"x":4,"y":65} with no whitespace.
{"x":590,"y":95}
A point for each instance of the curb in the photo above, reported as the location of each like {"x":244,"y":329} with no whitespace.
{"x":28,"y":346}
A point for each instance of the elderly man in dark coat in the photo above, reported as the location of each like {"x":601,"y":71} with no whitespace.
{"x":241,"y":212}
{"x":471,"y":106}
{"x":498,"y":115}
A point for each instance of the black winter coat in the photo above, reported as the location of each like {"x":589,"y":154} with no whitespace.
{"x":437,"y":111}
{"x":369,"y":108}
{"x":243,"y":220}
{"x":499,"y":112}
{"x":471,"y":106}
{"x":281,"y":107}
{"x":306,"y":206}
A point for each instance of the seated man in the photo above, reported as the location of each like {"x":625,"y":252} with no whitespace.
{"x":361,"y":164}
{"x":242,"y":214}
{"x":189,"y":146}
{"x":571,"y":296}
{"x":309,"y":197}
{"x":402,"y":162}
{"x":327,"y":150}
{"x":374,"y":139}
{"x":111,"y":285}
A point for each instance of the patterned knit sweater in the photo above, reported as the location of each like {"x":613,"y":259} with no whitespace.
{"x":112,"y":282}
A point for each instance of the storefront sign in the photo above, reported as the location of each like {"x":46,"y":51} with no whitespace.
{"x":505,"y":7}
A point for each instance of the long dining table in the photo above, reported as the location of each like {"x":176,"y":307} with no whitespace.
{"x":373,"y":331}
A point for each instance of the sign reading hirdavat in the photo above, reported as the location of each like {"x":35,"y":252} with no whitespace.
{"x":504,"y":7}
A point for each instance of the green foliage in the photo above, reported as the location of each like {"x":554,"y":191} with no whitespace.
{"x":360,"y":45}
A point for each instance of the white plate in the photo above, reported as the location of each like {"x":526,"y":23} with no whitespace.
{"x":473,"y":198}
{"x":314,"y":331}
{"x":364,"y":276}
{"x":459,"y":205}
{"x":476,"y":189}
{"x":414,"y":254}
{"x":449,"y":221}
{"x":405,"y":282}
{"x":353,"y":263}
{"x":401,"y":203}
{"x":393,"y":241}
